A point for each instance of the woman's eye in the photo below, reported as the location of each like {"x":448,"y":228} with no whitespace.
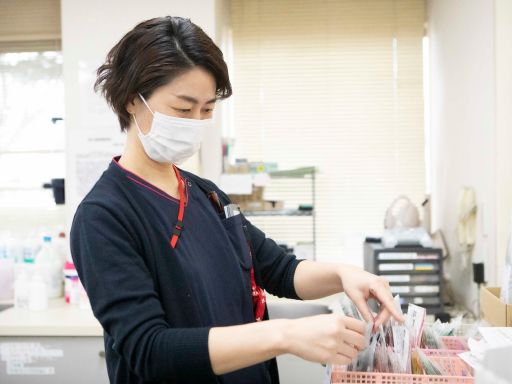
{"x":183,"y":110}
{"x":208,"y":110}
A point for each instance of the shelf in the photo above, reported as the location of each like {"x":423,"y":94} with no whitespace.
{"x":408,"y":272}
{"x":293,"y":173}
{"x":412,"y":295}
{"x":410,"y":261}
{"x":280,"y":212}
{"x":426,"y":306}
{"x":413,"y":284}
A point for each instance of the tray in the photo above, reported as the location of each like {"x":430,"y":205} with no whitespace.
{"x":460,"y":373}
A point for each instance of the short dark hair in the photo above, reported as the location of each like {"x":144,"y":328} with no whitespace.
{"x":151,"y":55}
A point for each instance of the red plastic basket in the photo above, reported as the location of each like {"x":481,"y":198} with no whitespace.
{"x":453,"y":346}
{"x":442,"y":352}
{"x":455,"y":342}
{"x":459,"y":373}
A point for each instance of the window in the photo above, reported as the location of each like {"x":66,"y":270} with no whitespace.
{"x":31,"y":128}
{"x":336,"y":84}
{"x":31,"y":95}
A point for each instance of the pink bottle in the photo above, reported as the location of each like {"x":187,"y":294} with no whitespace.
{"x":70,"y":283}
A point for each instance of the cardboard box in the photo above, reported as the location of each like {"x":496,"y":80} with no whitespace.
{"x":495,"y":311}
{"x":261,"y":205}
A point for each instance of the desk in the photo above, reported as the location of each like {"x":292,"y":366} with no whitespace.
{"x":59,"y":344}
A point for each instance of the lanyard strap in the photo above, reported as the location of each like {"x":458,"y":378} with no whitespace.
{"x":181,"y":212}
{"x":258,"y":294}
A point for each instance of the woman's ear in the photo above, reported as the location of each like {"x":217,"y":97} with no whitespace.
{"x":130,"y":106}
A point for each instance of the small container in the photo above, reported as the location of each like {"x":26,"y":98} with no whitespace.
{"x":50,"y":264}
{"x":38,"y":296}
{"x":6,"y":279}
{"x":458,"y":373}
{"x":455,"y":342}
{"x":70,"y":274}
{"x":22,"y":290}
{"x":74,"y":291}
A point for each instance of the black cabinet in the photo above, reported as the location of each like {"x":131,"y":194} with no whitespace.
{"x":414,"y":273}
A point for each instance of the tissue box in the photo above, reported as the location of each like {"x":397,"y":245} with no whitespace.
{"x":495,"y":311}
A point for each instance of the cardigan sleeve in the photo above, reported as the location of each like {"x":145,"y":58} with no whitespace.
{"x":124,"y":300}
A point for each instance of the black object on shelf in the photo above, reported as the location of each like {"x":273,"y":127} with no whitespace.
{"x":443,"y":317}
{"x":478,"y":273}
{"x":57,"y":185}
{"x":415,"y":273}
{"x":55,"y":119}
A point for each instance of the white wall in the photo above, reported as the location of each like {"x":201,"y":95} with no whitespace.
{"x":469,"y":123}
{"x":211,"y":150}
{"x":89,"y":30}
{"x":503,"y":48}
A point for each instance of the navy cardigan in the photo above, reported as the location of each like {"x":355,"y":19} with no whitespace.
{"x":157,"y":304}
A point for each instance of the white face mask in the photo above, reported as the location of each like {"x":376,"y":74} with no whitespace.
{"x":172,"y":139}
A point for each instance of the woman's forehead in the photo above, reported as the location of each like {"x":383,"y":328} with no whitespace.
{"x":197,"y":84}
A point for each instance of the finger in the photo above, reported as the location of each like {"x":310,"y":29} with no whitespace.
{"x":355,"y":339}
{"x":363,"y":307}
{"x":354,"y":324}
{"x":382,"y":318}
{"x":347,"y":350}
{"x":385,"y":298}
{"x":340,"y":360}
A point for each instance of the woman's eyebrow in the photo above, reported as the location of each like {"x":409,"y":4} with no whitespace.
{"x":194,"y":100}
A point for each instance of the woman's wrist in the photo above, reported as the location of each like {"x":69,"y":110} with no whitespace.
{"x":342,"y":270}
{"x":281,"y":335}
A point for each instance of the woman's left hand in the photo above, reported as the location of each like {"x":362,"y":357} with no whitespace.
{"x":360,"y":286}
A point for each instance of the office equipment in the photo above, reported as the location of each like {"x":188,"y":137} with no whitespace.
{"x":413,"y":272}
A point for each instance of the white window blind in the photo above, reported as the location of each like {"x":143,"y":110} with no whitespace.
{"x":30,"y":25}
{"x":335,"y":84}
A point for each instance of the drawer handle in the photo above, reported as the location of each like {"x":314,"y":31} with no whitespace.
{"x":101,"y":354}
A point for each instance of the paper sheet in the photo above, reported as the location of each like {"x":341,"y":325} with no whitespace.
{"x":492,"y":338}
{"x":497,"y":336}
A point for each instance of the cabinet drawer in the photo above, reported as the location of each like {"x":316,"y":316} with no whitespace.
{"x":49,"y":360}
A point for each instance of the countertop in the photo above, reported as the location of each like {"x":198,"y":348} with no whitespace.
{"x":60,"y":319}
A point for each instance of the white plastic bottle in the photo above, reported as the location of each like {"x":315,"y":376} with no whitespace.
{"x":70,"y":274}
{"x":50,"y":265}
{"x":38,"y":293}
{"x":21,"y":290}
{"x":61,"y":246}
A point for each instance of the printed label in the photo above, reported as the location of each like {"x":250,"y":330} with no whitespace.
{"x":18,"y":355}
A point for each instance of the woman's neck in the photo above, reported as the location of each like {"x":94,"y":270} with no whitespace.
{"x":135,"y":159}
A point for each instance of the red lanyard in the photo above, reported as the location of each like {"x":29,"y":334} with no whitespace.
{"x":258,"y":294}
{"x":181,"y":212}
{"x":258,"y":298}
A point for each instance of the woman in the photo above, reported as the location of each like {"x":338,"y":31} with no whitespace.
{"x":176,"y":284}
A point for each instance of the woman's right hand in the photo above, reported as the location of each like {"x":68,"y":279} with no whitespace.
{"x":327,"y":339}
